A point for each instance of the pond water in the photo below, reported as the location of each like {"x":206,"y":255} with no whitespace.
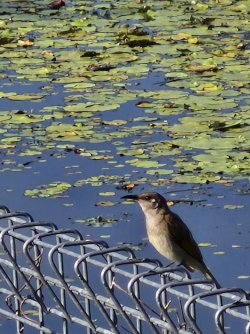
{"x":160,"y":105}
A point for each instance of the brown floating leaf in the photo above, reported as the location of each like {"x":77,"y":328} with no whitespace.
{"x":128,"y":186}
{"x":100,"y":67}
{"x":142,"y":103}
{"x":199,"y":68}
{"x":139,"y":43}
{"x":56,"y":4}
{"x":105,"y":203}
{"x":25,"y":43}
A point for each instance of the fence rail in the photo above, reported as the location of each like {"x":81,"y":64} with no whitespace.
{"x":57,"y":281}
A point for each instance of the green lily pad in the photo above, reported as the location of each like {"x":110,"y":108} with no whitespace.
{"x":50,"y":190}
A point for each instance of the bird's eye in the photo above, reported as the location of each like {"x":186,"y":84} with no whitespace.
{"x":146,"y":198}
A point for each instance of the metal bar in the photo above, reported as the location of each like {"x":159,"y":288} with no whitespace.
{"x":219,"y":314}
{"x":26,"y":248}
{"x":58,"y":249}
{"x":133,"y":286}
{"x":46,"y":248}
{"x":15,"y":265}
{"x":84,"y":258}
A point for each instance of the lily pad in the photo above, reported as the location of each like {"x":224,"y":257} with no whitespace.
{"x":49,"y":190}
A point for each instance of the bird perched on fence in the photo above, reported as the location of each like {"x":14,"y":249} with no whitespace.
{"x":169,"y":234}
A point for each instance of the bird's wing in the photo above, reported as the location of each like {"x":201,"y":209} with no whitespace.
{"x":183,"y":237}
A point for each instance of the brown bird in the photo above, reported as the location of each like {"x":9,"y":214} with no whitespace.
{"x":169,"y":234}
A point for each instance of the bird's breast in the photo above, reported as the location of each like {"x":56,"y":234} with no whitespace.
{"x":159,"y":237}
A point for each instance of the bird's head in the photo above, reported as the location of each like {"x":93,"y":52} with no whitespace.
{"x":149,"y":202}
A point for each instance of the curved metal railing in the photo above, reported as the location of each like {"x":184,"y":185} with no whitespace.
{"x":57,"y":281}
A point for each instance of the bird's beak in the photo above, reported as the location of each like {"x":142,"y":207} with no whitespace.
{"x":131,"y":197}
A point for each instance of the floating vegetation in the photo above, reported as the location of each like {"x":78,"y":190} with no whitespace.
{"x":192,"y":127}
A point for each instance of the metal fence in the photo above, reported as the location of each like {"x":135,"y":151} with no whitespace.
{"x":56,"y":281}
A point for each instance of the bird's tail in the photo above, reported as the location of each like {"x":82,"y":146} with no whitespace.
{"x":208,"y":275}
